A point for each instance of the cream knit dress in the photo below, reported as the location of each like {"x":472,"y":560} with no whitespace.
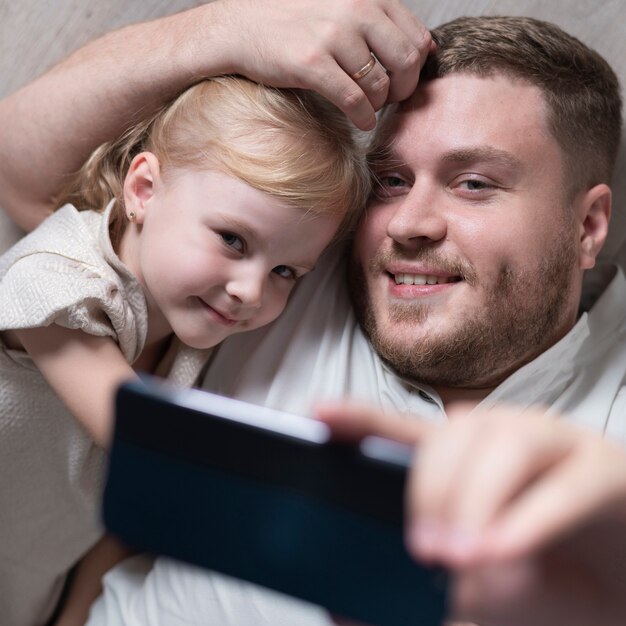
{"x":51,"y":472}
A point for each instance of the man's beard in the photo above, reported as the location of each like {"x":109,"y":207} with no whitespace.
{"x":522,"y":316}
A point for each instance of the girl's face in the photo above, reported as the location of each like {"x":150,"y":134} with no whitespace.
{"x":214,"y":255}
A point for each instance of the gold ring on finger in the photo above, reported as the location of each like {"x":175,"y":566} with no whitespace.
{"x":365,"y":70}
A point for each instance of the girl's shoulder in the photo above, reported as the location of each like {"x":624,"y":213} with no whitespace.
{"x":61,"y":273}
{"x":67,"y":233}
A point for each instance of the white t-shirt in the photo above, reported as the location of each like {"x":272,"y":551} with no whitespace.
{"x":317,"y":351}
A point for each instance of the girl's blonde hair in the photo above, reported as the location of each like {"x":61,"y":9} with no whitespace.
{"x":291,"y":144}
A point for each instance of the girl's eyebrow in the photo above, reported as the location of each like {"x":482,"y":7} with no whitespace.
{"x":240,"y":226}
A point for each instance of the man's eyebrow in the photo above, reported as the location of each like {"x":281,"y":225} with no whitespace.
{"x":482,"y":154}
{"x":384,"y":157}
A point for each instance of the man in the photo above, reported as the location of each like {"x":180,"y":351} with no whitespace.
{"x":467,"y":270}
{"x":466,"y":273}
{"x":503,"y":219}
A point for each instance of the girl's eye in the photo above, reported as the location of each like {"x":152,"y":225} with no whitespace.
{"x":285,"y":272}
{"x":233,"y":241}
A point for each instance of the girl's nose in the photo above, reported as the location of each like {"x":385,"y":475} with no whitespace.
{"x":247,"y":290}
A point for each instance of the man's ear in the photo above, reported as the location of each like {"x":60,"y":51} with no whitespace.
{"x":139,"y":185}
{"x":594,"y":213}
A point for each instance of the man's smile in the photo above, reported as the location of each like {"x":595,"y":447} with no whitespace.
{"x":423,"y":279}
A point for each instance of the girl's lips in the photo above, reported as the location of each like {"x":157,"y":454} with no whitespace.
{"x":217,"y":316}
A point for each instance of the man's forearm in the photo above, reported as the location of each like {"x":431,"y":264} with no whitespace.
{"x":48,"y":128}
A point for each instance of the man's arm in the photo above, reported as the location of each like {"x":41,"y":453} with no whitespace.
{"x":528,"y":512}
{"x":48,"y":128}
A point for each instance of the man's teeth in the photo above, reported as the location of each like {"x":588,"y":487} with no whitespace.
{"x":421,"y":279}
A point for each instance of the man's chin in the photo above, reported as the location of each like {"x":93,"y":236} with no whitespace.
{"x":401,"y":336}
{"x":427,"y":353}
{"x":412,"y":328}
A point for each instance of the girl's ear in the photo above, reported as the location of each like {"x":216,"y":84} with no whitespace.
{"x":594,"y":215}
{"x":139,"y":185}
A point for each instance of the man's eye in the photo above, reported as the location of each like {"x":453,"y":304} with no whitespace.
{"x":389,"y":185}
{"x":285,"y":272}
{"x":392,"y":181}
{"x":233,"y":241}
{"x":474,"y":184}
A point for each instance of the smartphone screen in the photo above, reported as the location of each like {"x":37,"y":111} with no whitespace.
{"x":268,"y":497}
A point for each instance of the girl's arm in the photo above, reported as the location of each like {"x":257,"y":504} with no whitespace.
{"x":87,"y":583}
{"x":49,"y":128}
{"x":83,"y":370}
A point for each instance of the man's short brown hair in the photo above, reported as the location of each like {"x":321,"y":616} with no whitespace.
{"x":582,"y":92}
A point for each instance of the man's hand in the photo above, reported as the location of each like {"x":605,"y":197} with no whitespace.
{"x":322,"y":44}
{"x":528,"y":511}
{"x":131,"y":72}
{"x":500,"y":484}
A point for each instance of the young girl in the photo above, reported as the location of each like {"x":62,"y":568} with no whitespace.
{"x":195,"y":225}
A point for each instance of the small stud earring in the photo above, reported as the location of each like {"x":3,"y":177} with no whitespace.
{"x":131,"y":216}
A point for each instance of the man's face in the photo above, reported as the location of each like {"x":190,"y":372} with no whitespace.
{"x":465,"y":266}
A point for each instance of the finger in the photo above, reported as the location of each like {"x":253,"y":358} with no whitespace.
{"x":590,"y":483}
{"x":332,"y":82}
{"x":400,"y":65}
{"x":316,"y":67}
{"x":407,"y":21}
{"x":355,"y":58}
{"x":508,"y":451}
{"x":460,"y":409}
{"x":373,"y":80}
{"x":492,"y":594}
{"x":434,"y":484}
{"x":353,"y":421}
{"x":399,"y":55}
{"x":513,"y":453}
{"x":402,"y":46}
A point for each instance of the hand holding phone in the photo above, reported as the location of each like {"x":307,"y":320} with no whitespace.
{"x":268,"y":497}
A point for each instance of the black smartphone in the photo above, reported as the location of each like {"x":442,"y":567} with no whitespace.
{"x":268,"y":497}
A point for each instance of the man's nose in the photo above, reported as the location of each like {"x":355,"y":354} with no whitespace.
{"x":419,"y":218}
